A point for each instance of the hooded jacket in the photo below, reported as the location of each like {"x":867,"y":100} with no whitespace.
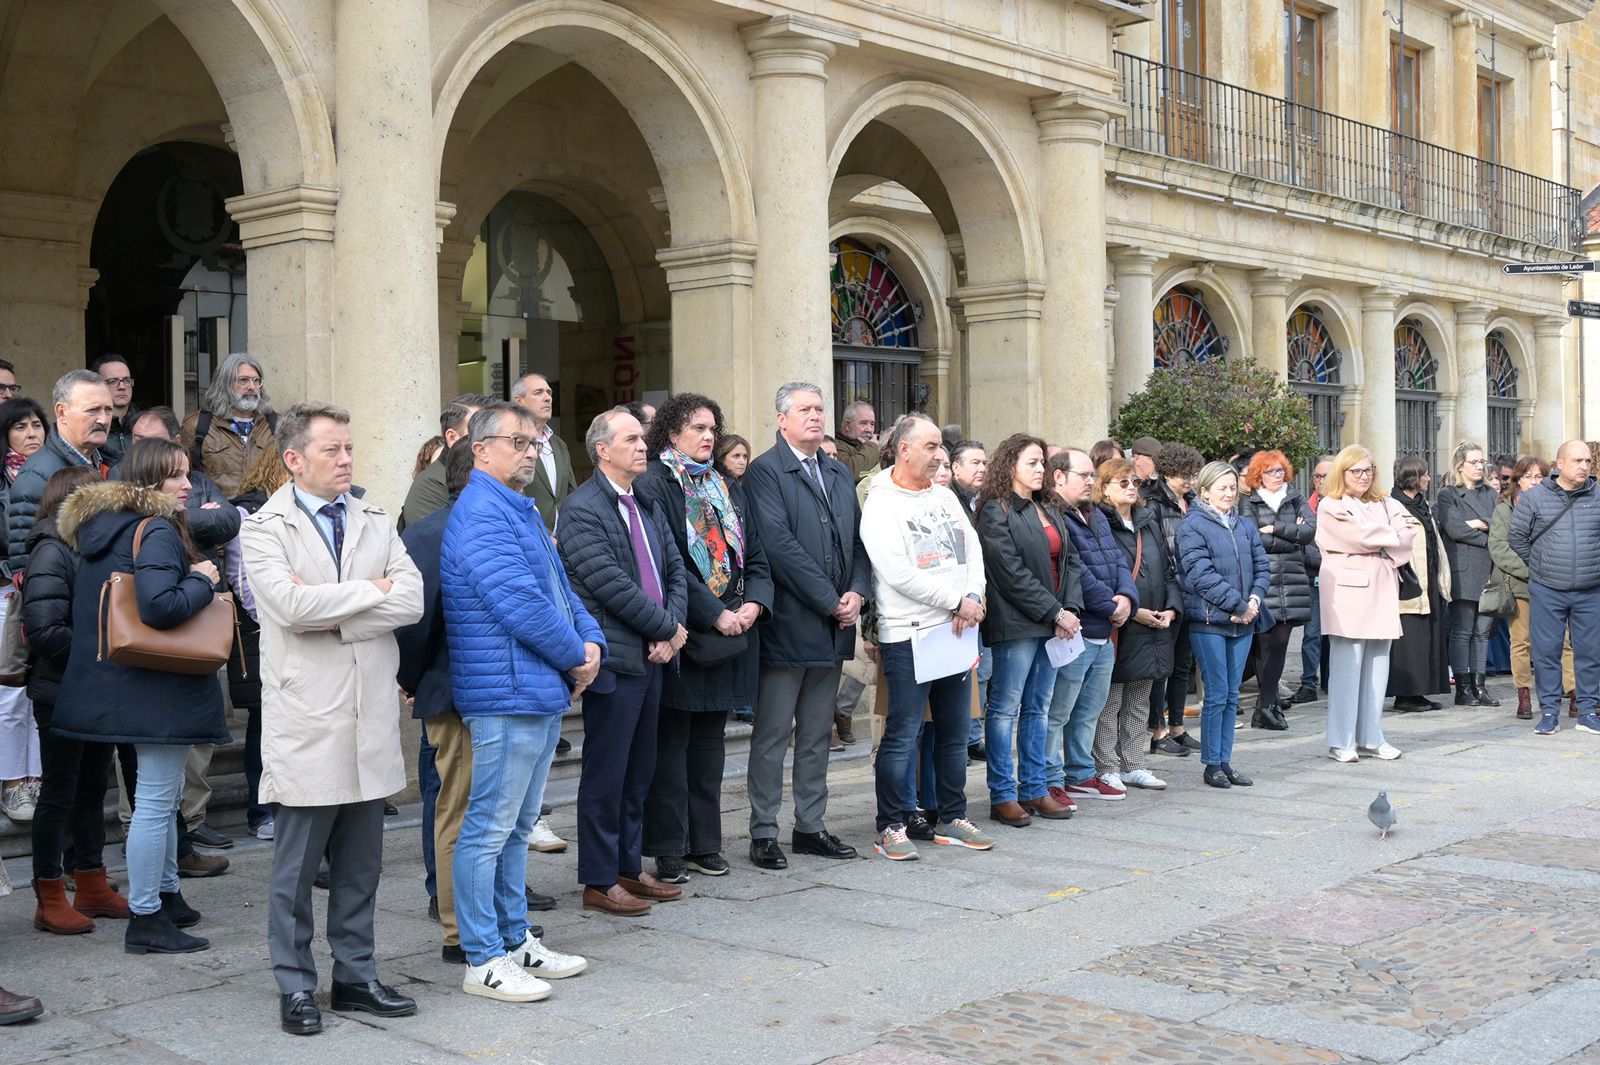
{"x":107,"y":701}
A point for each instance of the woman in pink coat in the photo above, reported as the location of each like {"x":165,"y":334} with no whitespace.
{"x":1364,"y":539}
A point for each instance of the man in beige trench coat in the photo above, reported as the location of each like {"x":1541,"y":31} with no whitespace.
{"x":332,"y":582}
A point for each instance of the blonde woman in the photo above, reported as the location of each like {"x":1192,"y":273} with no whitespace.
{"x":1464,"y":511}
{"x":1364,"y":537}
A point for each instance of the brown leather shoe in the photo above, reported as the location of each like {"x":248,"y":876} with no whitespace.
{"x":1046,"y":807}
{"x":1572,"y":705}
{"x":844,"y":724}
{"x":1524,"y":704}
{"x":14,"y":1007}
{"x":615,"y":900}
{"x":646,"y":886}
{"x":1010,"y":813}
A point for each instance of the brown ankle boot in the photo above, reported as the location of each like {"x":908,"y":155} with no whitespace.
{"x":1524,"y":705}
{"x":97,"y":898}
{"x":1572,"y":705}
{"x":55,"y":914}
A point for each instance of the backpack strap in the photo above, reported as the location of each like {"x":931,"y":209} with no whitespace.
{"x":202,"y":426}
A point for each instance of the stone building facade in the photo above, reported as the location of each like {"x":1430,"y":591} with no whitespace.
{"x":1003,"y":211}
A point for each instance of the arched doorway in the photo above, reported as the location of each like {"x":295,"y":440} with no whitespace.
{"x":171,"y":292}
{"x":1416,"y":391}
{"x":1315,"y":364}
{"x":876,"y":354}
{"x":1185,"y":330}
{"x":1500,"y":373}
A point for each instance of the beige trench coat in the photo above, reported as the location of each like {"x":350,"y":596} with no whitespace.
{"x":330,"y":713}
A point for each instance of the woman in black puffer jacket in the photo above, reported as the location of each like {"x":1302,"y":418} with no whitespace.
{"x":72,"y":797}
{"x":1288,"y":532}
{"x":1169,"y":498}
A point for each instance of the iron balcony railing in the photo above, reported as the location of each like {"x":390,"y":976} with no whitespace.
{"x":1188,"y":116}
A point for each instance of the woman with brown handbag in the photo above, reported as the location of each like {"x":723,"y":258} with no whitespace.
{"x":161,"y":713}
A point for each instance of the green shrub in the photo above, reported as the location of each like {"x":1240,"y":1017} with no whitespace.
{"x":1220,"y":407}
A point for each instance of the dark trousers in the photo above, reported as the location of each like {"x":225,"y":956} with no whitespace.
{"x":129,"y":760}
{"x":1551,"y":614}
{"x":244,"y":688}
{"x":949,"y":701}
{"x":1469,"y":637}
{"x":71,"y":806}
{"x":352,"y":837}
{"x":619,"y":758}
{"x":683,"y":810}
{"x":428,"y":784}
{"x":1271,"y":648}
{"x":1168,"y":694}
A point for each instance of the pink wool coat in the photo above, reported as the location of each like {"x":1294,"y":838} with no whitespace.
{"x":1360,"y":589}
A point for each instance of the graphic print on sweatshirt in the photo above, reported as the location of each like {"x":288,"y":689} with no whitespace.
{"x":936,"y":539}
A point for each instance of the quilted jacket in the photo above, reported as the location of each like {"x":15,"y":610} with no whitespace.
{"x":46,"y":605}
{"x":1106,"y":573}
{"x":511,"y":641}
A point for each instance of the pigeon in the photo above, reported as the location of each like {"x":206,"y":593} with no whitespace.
{"x":1381,"y":814}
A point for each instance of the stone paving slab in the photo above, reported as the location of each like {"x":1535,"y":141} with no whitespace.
{"x":1373,"y":1042}
{"x":1326,"y":917}
{"x":1542,"y":1032}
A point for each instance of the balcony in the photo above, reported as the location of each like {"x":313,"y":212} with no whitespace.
{"x":1188,"y":116}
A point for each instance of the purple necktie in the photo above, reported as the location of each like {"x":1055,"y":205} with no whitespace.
{"x":641,"y":552}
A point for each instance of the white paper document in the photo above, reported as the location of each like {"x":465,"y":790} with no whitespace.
{"x":1063,"y":650}
{"x":938,"y":652}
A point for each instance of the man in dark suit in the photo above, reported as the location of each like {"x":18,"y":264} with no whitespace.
{"x":804,"y":505}
{"x":622,"y":560}
{"x":552,"y":476}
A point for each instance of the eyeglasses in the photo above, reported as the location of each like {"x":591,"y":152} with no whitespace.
{"x":1125,"y":482}
{"x":1319,"y":477}
{"x":1279,"y":470}
{"x":1361,"y":471}
{"x":10,"y":390}
{"x":518,"y":443}
{"x":118,"y":382}
{"x":1472,"y":462}
{"x":241,"y":380}
{"x":1087,"y":475}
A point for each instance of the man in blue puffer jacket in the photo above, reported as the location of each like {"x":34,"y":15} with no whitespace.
{"x":522,"y":646}
{"x":1109,"y":599}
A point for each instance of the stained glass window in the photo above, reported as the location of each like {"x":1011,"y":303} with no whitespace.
{"x":1416,"y":382}
{"x":1313,"y":358}
{"x":1502,"y":372}
{"x":1505,"y":428}
{"x":1185,"y":330}
{"x":1415,"y":368}
{"x":870,"y":307}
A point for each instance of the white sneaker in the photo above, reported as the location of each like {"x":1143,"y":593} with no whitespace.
{"x":265,"y":829}
{"x":1143,"y":778}
{"x":1114,"y":779}
{"x":1388,"y":751}
{"x":503,"y":979}
{"x":1343,"y":754}
{"x":542,"y":961}
{"x":544,"y":840}
{"x":18,"y":802}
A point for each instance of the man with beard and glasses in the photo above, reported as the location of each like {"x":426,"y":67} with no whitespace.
{"x":234,"y":424}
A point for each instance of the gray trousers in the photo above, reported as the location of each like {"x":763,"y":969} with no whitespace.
{"x":1358,"y":677}
{"x":801,"y":700}
{"x":1120,"y":739}
{"x":352,"y":837}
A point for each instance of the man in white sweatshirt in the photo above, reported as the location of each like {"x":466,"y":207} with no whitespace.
{"x":927,"y":571}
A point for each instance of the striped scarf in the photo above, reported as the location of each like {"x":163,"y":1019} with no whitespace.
{"x":713,"y":524}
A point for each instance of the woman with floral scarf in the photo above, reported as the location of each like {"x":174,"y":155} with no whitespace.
{"x":730,"y":590}
{"x":23,"y":429}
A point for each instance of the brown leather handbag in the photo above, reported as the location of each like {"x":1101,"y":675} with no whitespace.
{"x":196,"y":646}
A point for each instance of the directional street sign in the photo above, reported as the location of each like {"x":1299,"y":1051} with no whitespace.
{"x":1582,"y":266}
{"x":1583,"y":309}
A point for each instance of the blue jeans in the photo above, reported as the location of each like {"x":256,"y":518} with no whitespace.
{"x":975,"y":731}
{"x":511,"y":756}
{"x":949,"y":701}
{"x":1014,"y":710}
{"x":1311,"y":645}
{"x":920,"y":772}
{"x":1550,"y":614}
{"x":1082,"y":687}
{"x":1499,"y":660}
{"x":153,"y":829}
{"x":428,"y":782}
{"x":1221,"y":660}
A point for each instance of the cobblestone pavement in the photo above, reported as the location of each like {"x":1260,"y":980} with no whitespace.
{"x":1191,"y":925}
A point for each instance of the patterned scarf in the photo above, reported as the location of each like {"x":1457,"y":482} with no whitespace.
{"x":713,"y":523}
{"x":14,"y":461}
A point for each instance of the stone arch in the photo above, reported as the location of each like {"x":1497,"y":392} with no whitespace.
{"x":1000,"y":235}
{"x":1344,"y":326}
{"x":1225,"y":307}
{"x":920,"y":278}
{"x":1519,"y":342}
{"x":702,"y":170}
{"x":1438,"y":335}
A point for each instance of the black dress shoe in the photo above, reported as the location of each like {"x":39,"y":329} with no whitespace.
{"x":537,"y":901}
{"x":453,"y":953}
{"x":433,"y":907}
{"x":1237,"y":779}
{"x":376,"y":998}
{"x":1217,"y":778}
{"x":180,"y":912}
{"x":203,"y":835}
{"x":390,"y":809}
{"x":545,"y":809}
{"x":323,"y":872}
{"x":1268,"y":719}
{"x":823,"y":844}
{"x":563,"y":746}
{"x":766,"y":854}
{"x":977,"y":752}
{"x":1411,"y":704}
{"x":1304,"y":695}
{"x":919,"y":827}
{"x":298,"y":1013}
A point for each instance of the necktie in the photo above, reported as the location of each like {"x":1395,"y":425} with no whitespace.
{"x":241,"y":427}
{"x":641,"y":552}
{"x":815,"y":473}
{"x":334,"y":512}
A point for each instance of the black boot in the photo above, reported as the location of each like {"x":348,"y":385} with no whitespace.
{"x":156,"y":934}
{"x":181,"y":913}
{"x":1268,"y":718}
{"x":1482,"y":693}
{"x":1465,"y":694}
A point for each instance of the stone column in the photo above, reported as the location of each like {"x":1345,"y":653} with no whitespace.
{"x":46,"y":251}
{"x":1377,"y":429}
{"x":1072,"y":390}
{"x":1267,"y":48}
{"x":711,"y":286}
{"x":1472,"y":379}
{"x":1003,"y":397}
{"x":1133,"y":322}
{"x":1112,"y":297}
{"x":789,"y":170}
{"x":1269,"y":321}
{"x":1541,"y":119}
{"x":1550,"y":429}
{"x":386,"y":299}
{"x":453,"y":258}
{"x":1464,"y":81}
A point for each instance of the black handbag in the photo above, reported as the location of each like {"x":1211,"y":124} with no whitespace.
{"x":713,"y":648}
{"x":1410,"y":586}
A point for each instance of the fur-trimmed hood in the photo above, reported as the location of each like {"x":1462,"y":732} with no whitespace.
{"x":93,"y":517}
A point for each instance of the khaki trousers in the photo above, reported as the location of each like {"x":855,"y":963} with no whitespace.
{"x":452,"y":745}
{"x":1522,"y":653}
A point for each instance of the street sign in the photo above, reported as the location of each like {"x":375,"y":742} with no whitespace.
{"x":1583,"y":309}
{"x":1582,"y":266}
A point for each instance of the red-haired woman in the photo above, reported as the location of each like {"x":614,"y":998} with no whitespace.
{"x":1288,"y":533}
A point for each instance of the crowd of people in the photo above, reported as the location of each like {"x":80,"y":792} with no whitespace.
{"x":1044,"y":611}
